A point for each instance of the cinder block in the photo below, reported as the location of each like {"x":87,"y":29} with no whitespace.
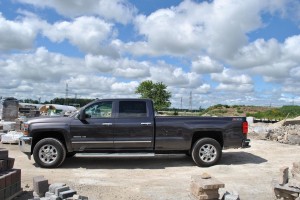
{"x":2,"y":182}
{"x":7,"y":179}
{"x":18,"y":174}
{"x":61,"y":189}
{"x":53,"y":186}
{"x":40,"y":185}
{"x":283,"y":176}
{"x":67,"y":194}
{"x":13,"y":176}
{"x":3,"y":154}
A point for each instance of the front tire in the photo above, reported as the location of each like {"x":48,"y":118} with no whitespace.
{"x":49,"y":153}
{"x":206,"y":152}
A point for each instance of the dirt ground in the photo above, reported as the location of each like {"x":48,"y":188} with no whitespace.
{"x":247,"y":171}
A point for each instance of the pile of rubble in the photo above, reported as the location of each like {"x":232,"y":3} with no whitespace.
{"x":10,"y":179}
{"x":10,"y":132}
{"x":288,"y":187}
{"x":287,"y":132}
{"x":55,"y":191}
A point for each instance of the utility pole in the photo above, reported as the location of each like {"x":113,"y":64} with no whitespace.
{"x":191,"y":101}
{"x":67,"y":93}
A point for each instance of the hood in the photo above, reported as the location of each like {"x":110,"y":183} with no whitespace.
{"x":49,"y":120}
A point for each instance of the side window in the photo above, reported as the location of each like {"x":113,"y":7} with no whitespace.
{"x":132,"y":109}
{"x":100,"y":110}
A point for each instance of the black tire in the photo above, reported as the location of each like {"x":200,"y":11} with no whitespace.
{"x":49,"y":153}
{"x":70,"y":154}
{"x":206,"y":152}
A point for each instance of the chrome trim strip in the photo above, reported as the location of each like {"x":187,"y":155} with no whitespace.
{"x":93,"y":142}
{"x":118,"y":142}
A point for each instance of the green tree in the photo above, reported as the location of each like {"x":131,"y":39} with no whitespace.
{"x":155,"y":91}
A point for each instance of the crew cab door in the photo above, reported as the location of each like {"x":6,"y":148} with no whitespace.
{"x":134,"y":125}
{"x":96,"y":131}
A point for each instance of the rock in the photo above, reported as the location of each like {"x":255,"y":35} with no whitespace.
{"x":205,"y":176}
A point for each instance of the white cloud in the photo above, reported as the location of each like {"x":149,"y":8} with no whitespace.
{"x":90,"y":34}
{"x":218,"y":28}
{"x":15,"y":35}
{"x":205,"y":65}
{"x":121,"y":67}
{"x":235,"y":87}
{"x":117,"y":10}
{"x":172,"y":76}
{"x":231,"y":77}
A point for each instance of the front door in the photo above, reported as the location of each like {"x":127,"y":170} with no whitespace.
{"x":134,"y":127}
{"x":96,"y":131}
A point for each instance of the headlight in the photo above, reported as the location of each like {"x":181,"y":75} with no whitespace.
{"x":25,"y":128}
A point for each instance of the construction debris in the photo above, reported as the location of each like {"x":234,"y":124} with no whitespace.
{"x":12,"y":137}
{"x":285,"y":187}
{"x":286,"y":131}
{"x":10,"y":179}
{"x":57,"y":191}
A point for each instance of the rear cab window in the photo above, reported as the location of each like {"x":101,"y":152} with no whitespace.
{"x":133,"y":109}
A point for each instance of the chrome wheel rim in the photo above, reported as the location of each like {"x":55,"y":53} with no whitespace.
{"x":208,"y":153}
{"x":48,"y":154}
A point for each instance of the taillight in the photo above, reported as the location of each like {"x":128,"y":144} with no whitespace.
{"x":245,"y":127}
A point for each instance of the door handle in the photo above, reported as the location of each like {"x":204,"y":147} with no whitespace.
{"x":146,"y":123}
{"x":106,"y":124}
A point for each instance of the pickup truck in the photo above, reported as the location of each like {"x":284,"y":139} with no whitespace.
{"x":129,"y":126}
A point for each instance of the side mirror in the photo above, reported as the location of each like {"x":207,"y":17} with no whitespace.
{"x":81,"y":116}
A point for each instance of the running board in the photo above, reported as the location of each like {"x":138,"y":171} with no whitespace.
{"x":115,"y":154}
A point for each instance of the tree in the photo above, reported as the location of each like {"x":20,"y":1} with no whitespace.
{"x":155,"y":91}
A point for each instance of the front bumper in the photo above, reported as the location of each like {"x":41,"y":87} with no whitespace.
{"x":25,"y":145}
{"x":246,"y":143}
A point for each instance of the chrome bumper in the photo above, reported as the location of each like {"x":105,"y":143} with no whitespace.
{"x":25,"y":145}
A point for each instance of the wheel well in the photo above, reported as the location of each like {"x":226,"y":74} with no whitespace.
{"x":41,"y":135}
{"x":217,"y":135}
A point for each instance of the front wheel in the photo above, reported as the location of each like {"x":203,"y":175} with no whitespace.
{"x":206,"y":152}
{"x":49,"y":153}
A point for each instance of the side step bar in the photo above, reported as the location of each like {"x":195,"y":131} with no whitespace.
{"x":115,"y":154}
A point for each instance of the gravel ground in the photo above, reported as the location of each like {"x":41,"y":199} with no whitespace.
{"x":247,"y":171}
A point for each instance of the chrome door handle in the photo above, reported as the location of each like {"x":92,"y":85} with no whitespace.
{"x":106,"y":124}
{"x":146,"y":123}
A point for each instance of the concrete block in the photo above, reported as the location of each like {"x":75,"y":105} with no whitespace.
{"x":283,"y":176}
{"x":3,"y":165}
{"x":3,"y":154}
{"x":67,"y":194}
{"x":207,"y":184}
{"x":54,"y":197}
{"x":18,"y":174}
{"x":2,"y":193}
{"x":61,"y":189}
{"x":231,"y":197}
{"x":294,"y":183}
{"x":40,"y":185}
{"x":53,"y":186}
{"x":13,"y":176}
{"x":79,"y":197}
{"x":2,"y":182}
{"x":48,"y":194}
{"x":7,"y":192}
{"x":196,"y":190}
{"x":10,"y":163}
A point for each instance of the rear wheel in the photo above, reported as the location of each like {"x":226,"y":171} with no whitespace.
{"x":49,"y":153}
{"x":206,"y":152}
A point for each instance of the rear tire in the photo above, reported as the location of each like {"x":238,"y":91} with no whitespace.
{"x":206,"y":152}
{"x":49,"y":153}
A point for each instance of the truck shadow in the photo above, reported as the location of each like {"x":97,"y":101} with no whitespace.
{"x":157,"y":162}
{"x":239,"y":158}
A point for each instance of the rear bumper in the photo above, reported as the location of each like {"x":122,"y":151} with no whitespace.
{"x":246,"y":143}
{"x":25,"y":145}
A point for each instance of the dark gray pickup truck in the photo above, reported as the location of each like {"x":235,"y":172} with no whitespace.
{"x":129,"y":126}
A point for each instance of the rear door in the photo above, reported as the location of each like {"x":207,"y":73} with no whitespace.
{"x":96,"y":131}
{"x":134,"y":125}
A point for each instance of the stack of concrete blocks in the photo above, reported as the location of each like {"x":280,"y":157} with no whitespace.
{"x":9,"y":108}
{"x":288,"y":187}
{"x":10,"y":179}
{"x":56,"y":191}
{"x":205,"y":187}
